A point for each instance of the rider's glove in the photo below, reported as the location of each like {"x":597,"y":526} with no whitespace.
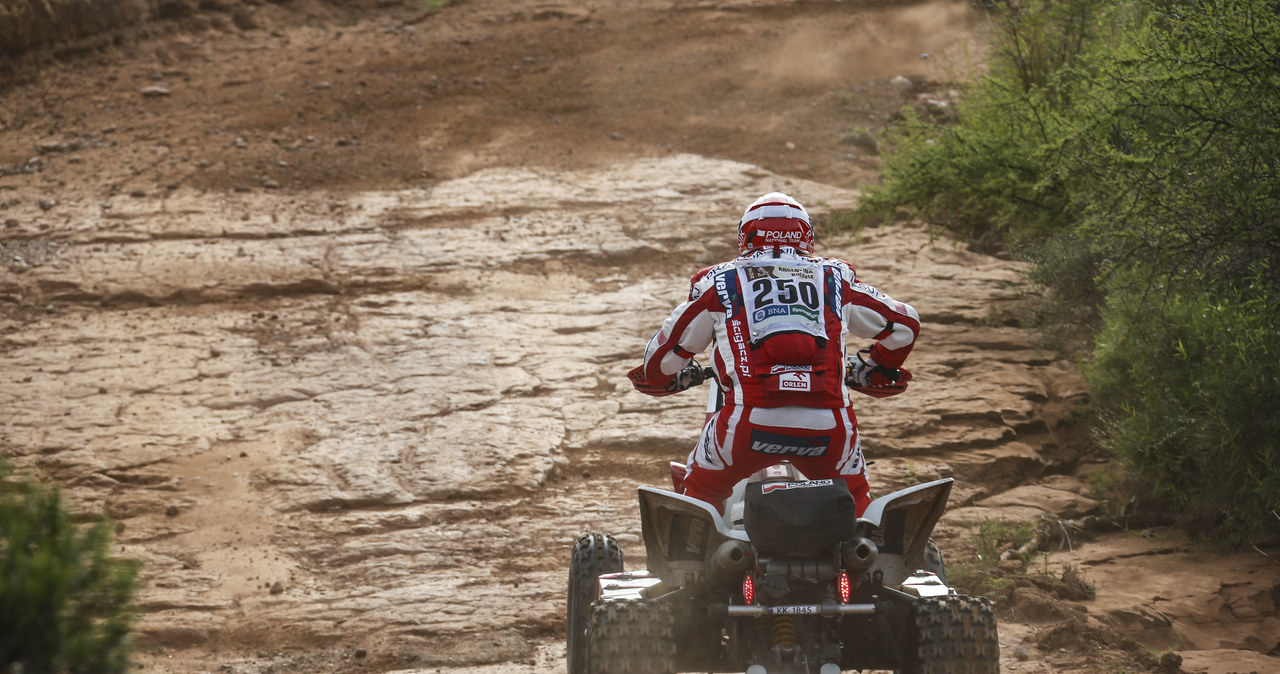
{"x":863,"y":372}
{"x":689,"y":376}
{"x":864,"y":375}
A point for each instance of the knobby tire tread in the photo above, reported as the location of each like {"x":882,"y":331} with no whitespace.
{"x":954,"y":635}
{"x":631,"y":636}
{"x":593,"y":555}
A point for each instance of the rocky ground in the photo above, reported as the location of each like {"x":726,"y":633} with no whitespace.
{"x":329,"y":307}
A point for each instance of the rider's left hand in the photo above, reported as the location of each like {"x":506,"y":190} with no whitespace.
{"x":642,"y":384}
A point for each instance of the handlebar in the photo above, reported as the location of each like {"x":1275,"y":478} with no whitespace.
{"x":694,"y":374}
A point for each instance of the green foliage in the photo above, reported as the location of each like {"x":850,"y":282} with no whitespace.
{"x":1073,"y":578}
{"x":431,"y":6}
{"x":995,"y":536}
{"x":1179,"y":144}
{"x":1203,"y":432}
{"x":982,"y":574}
{"x":64,"y":603}
{"x":844,"y":220}
{"x":995,"y":177}
{"x":1180,"y":141}
{"x":1131,"y":150}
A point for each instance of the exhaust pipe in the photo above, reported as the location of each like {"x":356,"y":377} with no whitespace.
{"x":858,"y":555}
{"x":728,"y":562}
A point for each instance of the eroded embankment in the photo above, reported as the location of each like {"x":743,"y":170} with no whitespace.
{"x":376,"y":423}
{"x":387,"y":403}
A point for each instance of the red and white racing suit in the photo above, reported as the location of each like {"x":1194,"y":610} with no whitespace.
{"x":778,"y":321}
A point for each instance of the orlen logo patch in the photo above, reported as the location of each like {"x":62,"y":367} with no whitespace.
{"x":784,"y":486}
{"x":794,"y":381}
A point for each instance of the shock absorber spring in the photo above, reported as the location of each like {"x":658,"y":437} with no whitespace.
{"x":782,"y":633}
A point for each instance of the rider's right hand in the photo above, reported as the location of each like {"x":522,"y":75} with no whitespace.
{"x":689,"y":376}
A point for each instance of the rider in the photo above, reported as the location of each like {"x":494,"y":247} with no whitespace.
{"x":778,"y":316}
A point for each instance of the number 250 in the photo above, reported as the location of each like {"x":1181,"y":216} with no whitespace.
{"x":788,"y":291}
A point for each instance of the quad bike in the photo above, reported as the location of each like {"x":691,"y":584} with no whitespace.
{"x":788,"y":581}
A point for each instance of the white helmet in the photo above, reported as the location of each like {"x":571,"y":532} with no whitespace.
{"x":775,"y":219}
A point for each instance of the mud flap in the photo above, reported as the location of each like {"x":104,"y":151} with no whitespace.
{"x":883,"y":638}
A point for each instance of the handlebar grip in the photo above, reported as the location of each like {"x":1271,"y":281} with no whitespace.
{"x":692,"y":375}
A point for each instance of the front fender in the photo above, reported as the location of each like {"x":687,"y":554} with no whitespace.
{"x":901,"y":523}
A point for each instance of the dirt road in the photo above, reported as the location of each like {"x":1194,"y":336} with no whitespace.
{"x":330,"y":309}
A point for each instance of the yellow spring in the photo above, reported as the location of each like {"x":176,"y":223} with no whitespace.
{"x":783,"y":631}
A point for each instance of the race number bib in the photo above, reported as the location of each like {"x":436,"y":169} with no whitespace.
{"x":782,"y":296}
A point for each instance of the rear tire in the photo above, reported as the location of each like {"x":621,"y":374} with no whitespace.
{"x":594,"y":554}
{"x":631,"y":636}
{"x":953,"y":634}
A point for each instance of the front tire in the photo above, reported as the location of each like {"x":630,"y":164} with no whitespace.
{"x":594,"y":554}
{"x":631,"y":636}
{"x":953,"y":634}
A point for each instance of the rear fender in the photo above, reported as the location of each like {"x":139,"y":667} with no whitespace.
{"x":901,"y":523}
{"x":681,"y":533}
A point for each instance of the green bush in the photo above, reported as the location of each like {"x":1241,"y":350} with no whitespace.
{"x":1178,"y":145}
{"x":1131,"y":151}
{"x":1185,"y":389}
{"x":1177,"y":148}
{"x":981,"y":574}
{"x":64,"y":603}
{"x":997,"y":177}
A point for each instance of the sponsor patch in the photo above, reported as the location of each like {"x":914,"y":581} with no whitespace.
{"x":740,"y":347}
{"x":688,"y":539}
{"x":870,"y":290}
{"x":722,"y":289}
{"x":784,"y":486}
{"x":803,"y":312}
{"x":801,"y":273}
{"x":794,"y":381}
{"x":761,"y":314}
{"x":775,"y":369}
{"x":754,"y":273}
{"x":782,"y":236}
{"x":776,"y":444}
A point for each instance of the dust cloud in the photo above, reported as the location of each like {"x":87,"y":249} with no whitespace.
{"x":931,"y":40}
